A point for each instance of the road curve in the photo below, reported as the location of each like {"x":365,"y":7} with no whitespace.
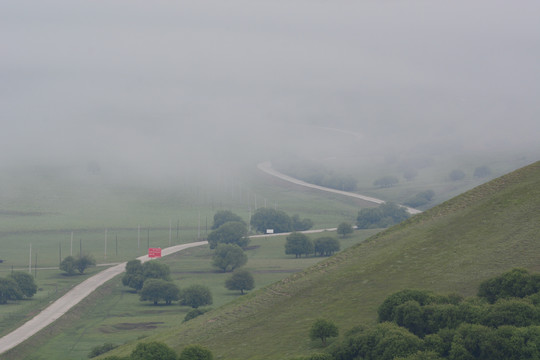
{"x":72,"y":298}
{"x":267,"y":168}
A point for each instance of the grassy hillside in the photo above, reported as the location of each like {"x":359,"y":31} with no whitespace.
{"x":450,"y":248}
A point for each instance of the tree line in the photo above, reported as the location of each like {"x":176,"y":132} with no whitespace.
{"x":501,"y":322}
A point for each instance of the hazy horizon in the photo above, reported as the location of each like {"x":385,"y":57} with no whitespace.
{"x":169,"y":86}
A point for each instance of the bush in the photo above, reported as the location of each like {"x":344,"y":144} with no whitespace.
{"x":153,"y":351}
{"x":195,"y":296}
{"x":383,"y":216}
{"x":192,"y":314}
{"x":456,"y":175}
{"x":25,"y":282}
{"x":196,"y":352}
{"x":101,"y":349}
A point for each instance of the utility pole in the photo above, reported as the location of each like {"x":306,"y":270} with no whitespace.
{"x":30,"y":260}
{"x":105,"y":244}
{"x":138,"y":236}
{"x":170,"y":231}
{"x":71,"y":248}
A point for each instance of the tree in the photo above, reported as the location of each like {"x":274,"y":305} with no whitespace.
{"x":344,"y":229}
{"x":25,"y":282}
{"x":410,"y":173}
{"x":101,"y":349}
{"x":195,"y":296}
{"x":196,"y":352}
{"x":266,"y":218}
{"x":240,"y":280}
{"x":326,"y":246}
{"x":156,"y":290}
{"x":298,"y":244}
{"x":133,"y":276}
{"x":456,"y":175}
{"x":156,"y":270}
{"x":386,"y":181}
{"x":223,"y":216}
{"x":385,"y":215}
{"x":323,"y":329}
{"x":232,"y":232}
{"x":68,"y":265}
{"x":9,"y":290}
{"x":153,"y":351}
{"x":228,"y":257}
{"x":421,"y":198}
{"x":137,"y":273}
{"x":83,"y":262}
{"x":301,"y":224}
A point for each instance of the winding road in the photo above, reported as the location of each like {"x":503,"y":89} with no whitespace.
{"x":267,"y":168}
{"x":72,"y":298}
{"x":79,"y":292}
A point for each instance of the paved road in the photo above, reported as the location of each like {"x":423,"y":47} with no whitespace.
{"x":73,"y":297}
{"x":267,"y":168}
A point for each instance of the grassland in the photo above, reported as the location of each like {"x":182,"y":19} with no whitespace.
{"x":449,"y":248}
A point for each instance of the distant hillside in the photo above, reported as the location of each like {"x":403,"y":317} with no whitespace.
{"x":449,"y":248}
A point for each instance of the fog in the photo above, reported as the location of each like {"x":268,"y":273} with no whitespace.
{"x":165,"y":87}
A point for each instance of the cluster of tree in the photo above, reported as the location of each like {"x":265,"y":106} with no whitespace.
{"x":156,"y":350}
{"x":70,"y":265}
{"x":278,"y":220}
{"x":502,"y":322}
{"x":299,"y":244}
{"x":386,"y":181}
{"x":384,"y":215}
{"x":17,"y":286}
{"x":153,"y":283}
{"x":229,"y":254}
{"x":422,"y":198}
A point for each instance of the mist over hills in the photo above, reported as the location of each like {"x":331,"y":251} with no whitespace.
{"x":449,"y":248}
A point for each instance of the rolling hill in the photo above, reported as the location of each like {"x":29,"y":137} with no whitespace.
{"x":449,"y":248}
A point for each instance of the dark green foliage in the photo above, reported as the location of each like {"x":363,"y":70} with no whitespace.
{"x":9,"y":290}
{"x":322,"y":330}
{"x":156,"y":290}
{"x":482,"y":171}
{"x":223,"y":216}
{"x":155,"y":269}
{"x":133,"y":277}
{"x":153,"y":351}
{"x":240,"y":280}
{"x":101,"y":349}
{"x":385,"y":215}
{"x":301,"y":224}
{"x":515,"y":283}
{"x":228,"y":257}
{"x":385,"y":341}
{"x":192,"y":314}
{"x":317,"y":174}
{"x":298,"y":244}
{"x":386,"y":181}
{"x":386,"y":310}
{"x":421,"y":198}
{"x":344,"y":229}
{"x":137,"y":273}
{"x":267,"y":218}
{"x":196,"y":296}
{"x":232,"y":232}
{"x":68,"y":265}
{"x":456,"y":175}
{"x":326,"y":246}
{"x":511,"y":312}
{"x":83,"y":262}
{"x":25,"y":282}
{"x":195,"y":352}
{"x":71,"y":264}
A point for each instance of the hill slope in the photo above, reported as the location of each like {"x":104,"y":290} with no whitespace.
{"x":450,"y":248}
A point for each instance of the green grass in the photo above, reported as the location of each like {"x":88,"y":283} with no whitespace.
{"x":118,"y":316}
{"x":450,"y":248}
